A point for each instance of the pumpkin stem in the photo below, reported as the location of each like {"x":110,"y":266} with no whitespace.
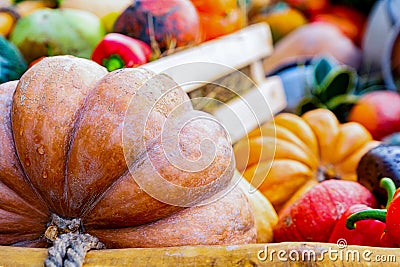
{"x":70,"y":244}
{"x":59,"y":226}
{"x":326,"y":173}
{"x":70,"y":249}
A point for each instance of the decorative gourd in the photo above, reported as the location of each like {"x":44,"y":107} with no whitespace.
{"x":265,"y":216}
{"x":313,"y":216}
{"x":70,"y":131}
{"x":290,"y":154}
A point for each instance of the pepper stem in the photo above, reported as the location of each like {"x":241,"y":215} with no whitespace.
{"x":113,"y":62}
{"x":390,"y":187}
{"x":372,"y":214}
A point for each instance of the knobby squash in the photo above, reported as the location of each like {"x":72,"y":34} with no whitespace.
{"x":90,"y":152}
{"x":290,"y":154}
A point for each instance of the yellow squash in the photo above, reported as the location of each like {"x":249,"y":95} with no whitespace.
{"x":290,"y":154}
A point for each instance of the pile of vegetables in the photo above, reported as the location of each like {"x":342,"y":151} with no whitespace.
{"x":82,"y":132}
{"x":88,"y":29}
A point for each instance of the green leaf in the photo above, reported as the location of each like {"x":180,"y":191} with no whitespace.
{"x":341,"y":80}
{"x":321,"y":70}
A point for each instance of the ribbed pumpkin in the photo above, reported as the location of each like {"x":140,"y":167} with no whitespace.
{"x":68,"y":133}
{"x":290,"y":154}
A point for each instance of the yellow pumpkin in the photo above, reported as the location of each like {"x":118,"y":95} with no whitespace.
{"x":265,"y":216}
{"x":290,"y":154}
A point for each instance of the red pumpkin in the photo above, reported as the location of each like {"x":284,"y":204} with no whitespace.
{"x":68,"y":133}
{"x":168,"y":24}
{"x":314,"y":216}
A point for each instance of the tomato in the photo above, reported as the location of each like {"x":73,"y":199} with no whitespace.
{"x":215,"y":25}
{"x":282,"y":19}
{"x":220,"y":7}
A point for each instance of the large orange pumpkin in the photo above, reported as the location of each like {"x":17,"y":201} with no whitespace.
{"x":79,"y":143}
{"x":290,"y":154}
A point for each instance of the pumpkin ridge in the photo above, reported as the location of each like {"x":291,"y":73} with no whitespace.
{"x":29,"y":182}
{"x":95,"y":199}
{"x":295,"y":139}
{"x":53,"y":93}
{"x":22,"y":215}
{"x":77,"y":118}
{"x":10,"y":136}
{"x":349,"y":155}
{"x":351,"y":152}
{"x":68,"y":144}
{"x":39,"y":212}
{"x":107,"y":100}
{"x":87,"y":209}
{"x":325,"y":127}
{"x":309,"y":160}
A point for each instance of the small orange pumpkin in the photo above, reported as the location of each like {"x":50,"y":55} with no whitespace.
{"x":290,"y":154}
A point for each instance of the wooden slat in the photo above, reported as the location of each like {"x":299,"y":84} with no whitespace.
{"x":253,"y":108}
{"x":212,"y":61}
{"x":235,"y":255}
{"x":235,"y":51}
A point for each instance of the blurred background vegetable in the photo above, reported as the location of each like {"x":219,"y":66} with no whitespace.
{"x":221,"y":17}
{"x":49,"y":32}
{"x":12,"y":64}
{"x":164,"y":25}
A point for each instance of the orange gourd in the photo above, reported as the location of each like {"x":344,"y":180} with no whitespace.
{"x":290,"y":154}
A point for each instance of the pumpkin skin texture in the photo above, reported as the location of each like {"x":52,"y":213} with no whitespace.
{"x":22,"y":213}
{"x":190,"y":223}
{"x":314,"y":215}
{"x":307,"y":150}
{"x":82,"y":138}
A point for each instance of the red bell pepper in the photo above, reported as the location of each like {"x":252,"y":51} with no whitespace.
{"x":367,"y":232}
{"x":117,"y":51}
{"x":389,"y":235}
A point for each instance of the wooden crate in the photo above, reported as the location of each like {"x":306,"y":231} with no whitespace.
{"x":233,"y":63}
{"x":278,"y":254}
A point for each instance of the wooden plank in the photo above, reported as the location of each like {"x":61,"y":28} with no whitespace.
{"x":234,"y":51}
{"x":278,"y":254}
{"x":220,"y":62}
{"x":253,"y":108}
